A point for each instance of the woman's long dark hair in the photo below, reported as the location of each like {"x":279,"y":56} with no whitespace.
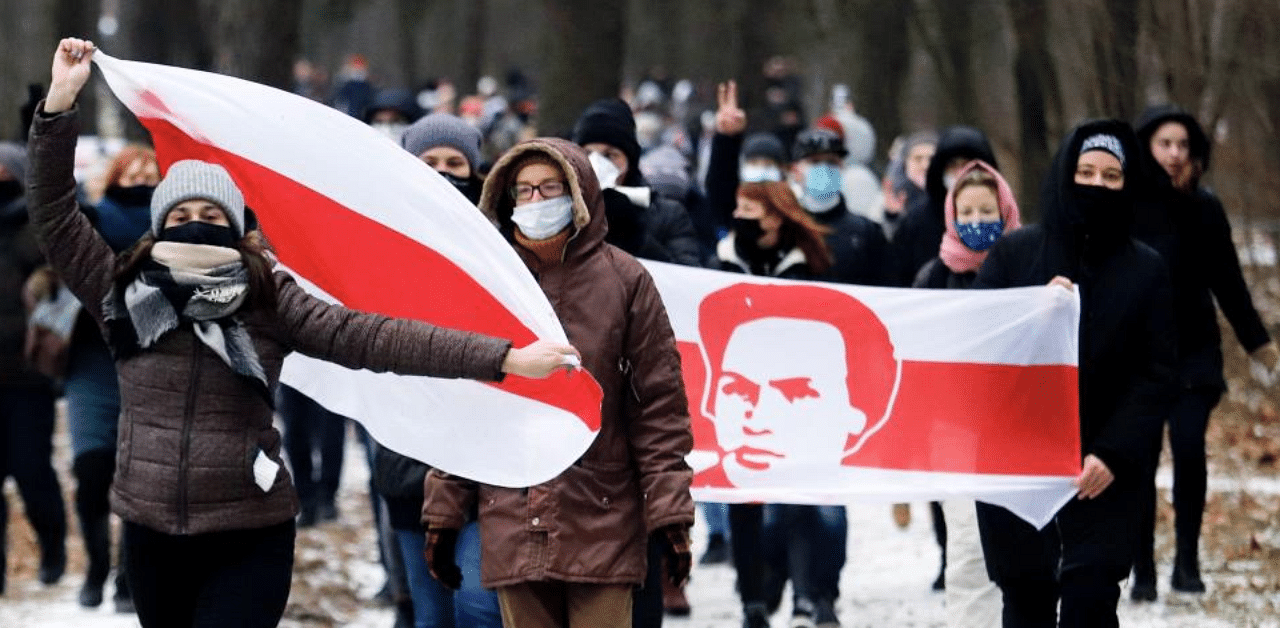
{"x":254,"y":249}
{"x":809,"y":235}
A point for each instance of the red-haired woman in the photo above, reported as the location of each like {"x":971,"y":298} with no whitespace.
{"x":773,"y":236}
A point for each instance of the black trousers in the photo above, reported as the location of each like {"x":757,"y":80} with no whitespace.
{"x":1079,"y":558}
{"x":26,"y":454}
{"x":234,"y":578}
{"x":310,"y":432}
{"x":646,"y":605}
{"x":1188,"y":422}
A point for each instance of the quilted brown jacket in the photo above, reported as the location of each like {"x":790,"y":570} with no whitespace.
{"x":190,"y":428}
{"x":590,"y":523}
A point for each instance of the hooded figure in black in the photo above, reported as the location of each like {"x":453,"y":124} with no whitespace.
{"x":1187,"y":225}
{"x":1125,"y":375}
{"x":920,"y":231}
{"x":641,"y":222}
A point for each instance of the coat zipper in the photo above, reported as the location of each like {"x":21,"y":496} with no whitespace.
{"x":185,"y":453}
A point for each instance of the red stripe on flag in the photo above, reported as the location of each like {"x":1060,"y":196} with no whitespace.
{"x":980,"y":418}
{"x":372,"y":268}
{"x":956,"y":417}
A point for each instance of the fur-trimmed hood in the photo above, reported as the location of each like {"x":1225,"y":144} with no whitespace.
{"x":590,"y":225}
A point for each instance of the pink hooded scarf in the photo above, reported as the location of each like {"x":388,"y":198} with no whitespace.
{"x":958,"y":257}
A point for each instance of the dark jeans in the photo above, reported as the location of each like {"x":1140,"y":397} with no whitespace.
{"x":311,"y":431}
{"x":774,"y":542}
{"x":26,"y":454}
{"x":1080,"y":557}
{"x":809,"y":545}
{"x":234,"y":578}
{"x":1188,"y":422}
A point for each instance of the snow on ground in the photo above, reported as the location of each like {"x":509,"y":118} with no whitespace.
{"x":885,"y":583}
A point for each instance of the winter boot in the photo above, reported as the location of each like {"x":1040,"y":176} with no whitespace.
{"x":674,"y":601}
{"x":123,"y":599}
{"x":717,"y":551}
{"x":53,"y":557}
{"x":97,"y":547}
{"x":1186,"y":567}
{"x":755,"y":615}
{"x":1144,"y":580}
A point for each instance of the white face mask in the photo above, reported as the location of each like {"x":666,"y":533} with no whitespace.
{"x":543,"y":219}
{"x":755,"y":173}
{"x":392,"y":130}
{"x":605,"y":171}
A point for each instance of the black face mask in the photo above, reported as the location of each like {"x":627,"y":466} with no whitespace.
{"x":196,"y":232}
{"x":468,"y":187}
{"x":747,"y":232}
{"x":131,"y":196}
{"x":1100,"y":208}
{"x":9,"y":190}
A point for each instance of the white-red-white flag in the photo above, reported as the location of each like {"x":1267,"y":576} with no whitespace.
{"x":821,"y":393}
{"x":799,"y":392}
{"x":360,"y":221}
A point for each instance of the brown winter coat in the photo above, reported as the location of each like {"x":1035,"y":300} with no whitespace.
{"x":590,"y":523}
{"x":190,"y":428}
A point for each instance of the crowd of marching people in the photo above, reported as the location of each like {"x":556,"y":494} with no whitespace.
{"x":103,"y":301}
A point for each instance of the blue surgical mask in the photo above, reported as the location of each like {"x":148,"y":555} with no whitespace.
{"x":756,"y":173}
{"x":543,"y":219}
{"x":822,"y":183}
{"x":979,"y":236}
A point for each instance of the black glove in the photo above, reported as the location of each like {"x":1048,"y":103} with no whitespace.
{"x":439,"y":551}
{"x":677,"y":552}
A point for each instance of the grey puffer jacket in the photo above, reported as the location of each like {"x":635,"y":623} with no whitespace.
{"x":190,"y":428}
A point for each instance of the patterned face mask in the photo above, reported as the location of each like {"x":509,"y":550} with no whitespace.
{"x":979,"y":236}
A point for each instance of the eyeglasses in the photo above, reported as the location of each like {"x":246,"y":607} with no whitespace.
{"x":548,"y":189}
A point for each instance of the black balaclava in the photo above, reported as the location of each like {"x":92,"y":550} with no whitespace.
{"x":1090,"y":220}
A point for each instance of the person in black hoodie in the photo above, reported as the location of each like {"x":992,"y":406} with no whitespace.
{"x":1125,"y":376}
{"x":1185,"y":222}
{"x":920,"y":230}
{"x":641,"y":222}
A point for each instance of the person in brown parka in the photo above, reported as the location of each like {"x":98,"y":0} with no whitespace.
{"x":568,"y":552}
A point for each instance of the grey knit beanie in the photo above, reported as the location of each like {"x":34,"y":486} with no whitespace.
{"x":442,"y":129}
{"x":13,"y":158}
{"x":191,"y":179}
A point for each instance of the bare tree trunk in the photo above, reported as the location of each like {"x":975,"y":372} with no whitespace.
{"x":1116,"y":57}
{"x":584,"y":43}
{"x":79,"y":18}
{"x":882,"y":73}
{"x":1036,"y":83}
{"x":254,"y":39}
{"x":475,"y":25}
{"x":946,"y":30}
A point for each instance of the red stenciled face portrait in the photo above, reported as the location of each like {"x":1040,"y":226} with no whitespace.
{"x":797,"y":375}
{"x":775,"y":400}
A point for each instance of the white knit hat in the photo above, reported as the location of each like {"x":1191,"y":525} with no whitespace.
{"x":191,"y":179}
